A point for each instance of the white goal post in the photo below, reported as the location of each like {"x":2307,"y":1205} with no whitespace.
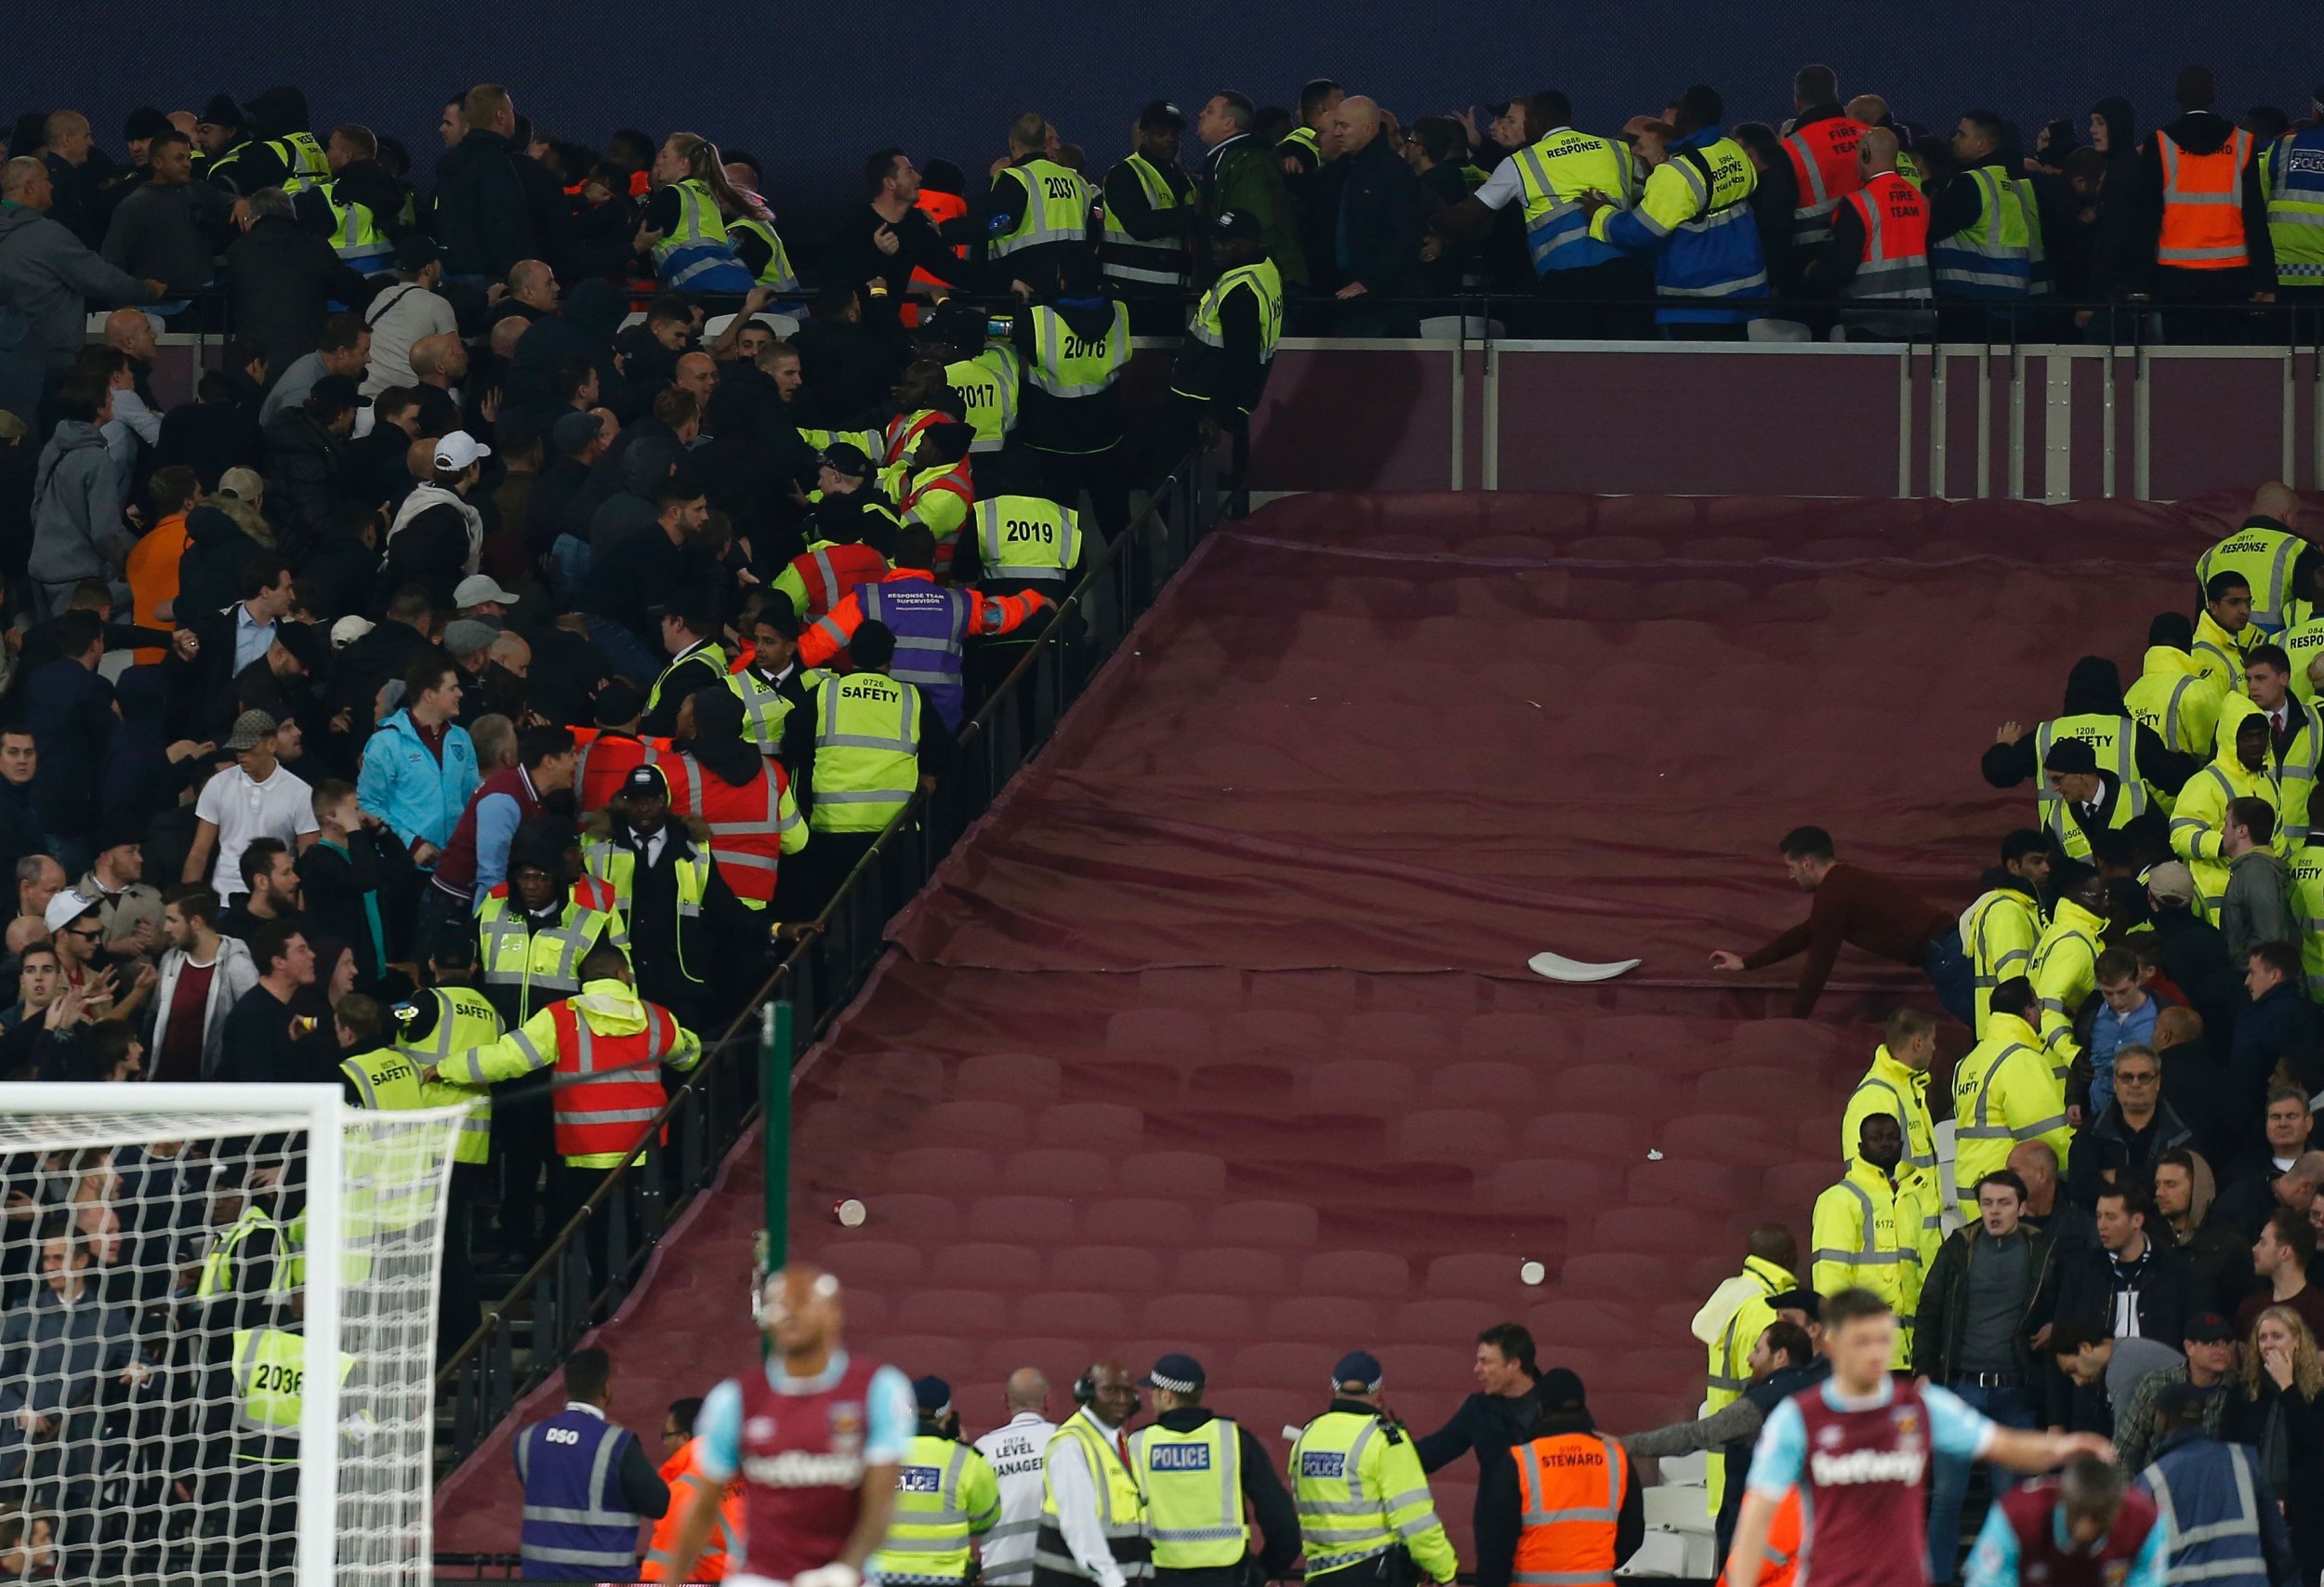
{"x":176,"y":1259}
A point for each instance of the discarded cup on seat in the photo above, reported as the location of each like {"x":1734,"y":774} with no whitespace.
{"x":849,"y":1211}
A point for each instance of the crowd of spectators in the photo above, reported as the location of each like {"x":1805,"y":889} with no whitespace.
{"x":2136,"y":1184}
{"x":456,"y":601}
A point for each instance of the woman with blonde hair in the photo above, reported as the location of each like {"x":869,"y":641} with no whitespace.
{"x":2277,"y":1407}
{"x":684,"y":222}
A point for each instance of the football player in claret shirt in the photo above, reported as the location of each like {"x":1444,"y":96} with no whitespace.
{"x":816,"y":1435}
{"x":1858,"y":1447}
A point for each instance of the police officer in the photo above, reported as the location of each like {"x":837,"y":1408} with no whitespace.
{"x":2293,"y":168}
{"x":1076,"y":347}
{"x":878,"y":743}
{"x":1150,"y":222}
{"x":583,"y":1505}
{"x":1040,"y":209}
{"x":235,"y":163}
{"x":1093,"y":1512}
{"x":1015,"y":1450}
{"x":1568,"y":1507}
{"x":1198,"y":1469}
{"x":945,"y":1494}
{"x":341,"y":205}
{"x":1229,"y":345}
{"x":1365,"y":1515}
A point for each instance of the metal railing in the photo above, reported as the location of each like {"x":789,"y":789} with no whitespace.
{"x":558,"y":1300}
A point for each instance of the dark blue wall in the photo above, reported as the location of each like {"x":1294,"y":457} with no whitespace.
{"x":813,"y":89}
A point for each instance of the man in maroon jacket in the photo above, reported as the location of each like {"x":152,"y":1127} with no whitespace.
{"x":1872,"y":912}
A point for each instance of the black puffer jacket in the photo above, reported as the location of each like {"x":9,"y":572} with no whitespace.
{"x":481,"y":215}
{"x":305,"y":465}
{"x":284,"y":280}
{"x":210,"y":572}
{"x":2115,"y":263}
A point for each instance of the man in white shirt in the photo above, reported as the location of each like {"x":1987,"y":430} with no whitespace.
{"x":257,"y":798}
{"x":406,"y":312}
{"x":1016,"y":1452}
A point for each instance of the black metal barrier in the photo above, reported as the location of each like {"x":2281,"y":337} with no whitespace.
{"x":528,"y":1333}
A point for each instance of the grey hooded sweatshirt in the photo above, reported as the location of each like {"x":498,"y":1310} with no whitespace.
{"x":47,"y":280}
{"x":78,"y":491}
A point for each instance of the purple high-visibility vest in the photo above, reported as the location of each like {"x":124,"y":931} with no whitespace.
{"x":578,"y":1527}
{"x":929,"y":623}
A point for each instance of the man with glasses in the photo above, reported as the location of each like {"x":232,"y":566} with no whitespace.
{"x":2128,"y":1140}
{"x":678,"y":1473}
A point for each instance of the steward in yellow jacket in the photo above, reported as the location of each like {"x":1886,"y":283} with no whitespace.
{"x":2003,"y":1093}
{"x":2065,"y":968}
{"x":2241,"y":770}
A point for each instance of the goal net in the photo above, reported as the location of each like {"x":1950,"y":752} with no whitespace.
{"x":217,"y":1335}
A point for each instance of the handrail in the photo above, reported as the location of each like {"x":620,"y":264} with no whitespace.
{"x":480,"y":1378}
{"x":2134,"y":315}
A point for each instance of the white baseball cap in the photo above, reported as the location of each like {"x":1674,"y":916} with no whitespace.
{"x":479,"y":588}
{"x":460,"y":449}
{"x":64,"y":908}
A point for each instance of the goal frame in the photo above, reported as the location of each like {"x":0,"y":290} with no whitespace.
{"x":323,"y":1111}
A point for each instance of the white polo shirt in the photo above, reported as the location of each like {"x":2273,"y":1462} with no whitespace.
{"x":282,"y":808}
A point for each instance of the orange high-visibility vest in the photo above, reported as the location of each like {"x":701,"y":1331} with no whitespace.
{"x":1895,"y":260}
{"x":685,"y":1482}
{"x":2202,"y":206}
{"x":903,"y":431}
{"x":746,"y":827}
{"x":607,"y":758}
{"x":1824,"y":163}
{"x":939,"y":207}
{"x":596,"y":1117}
{"x":830,"y":568}
{"x":1779,"y":1561}
{"x":1572,"y":1484}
